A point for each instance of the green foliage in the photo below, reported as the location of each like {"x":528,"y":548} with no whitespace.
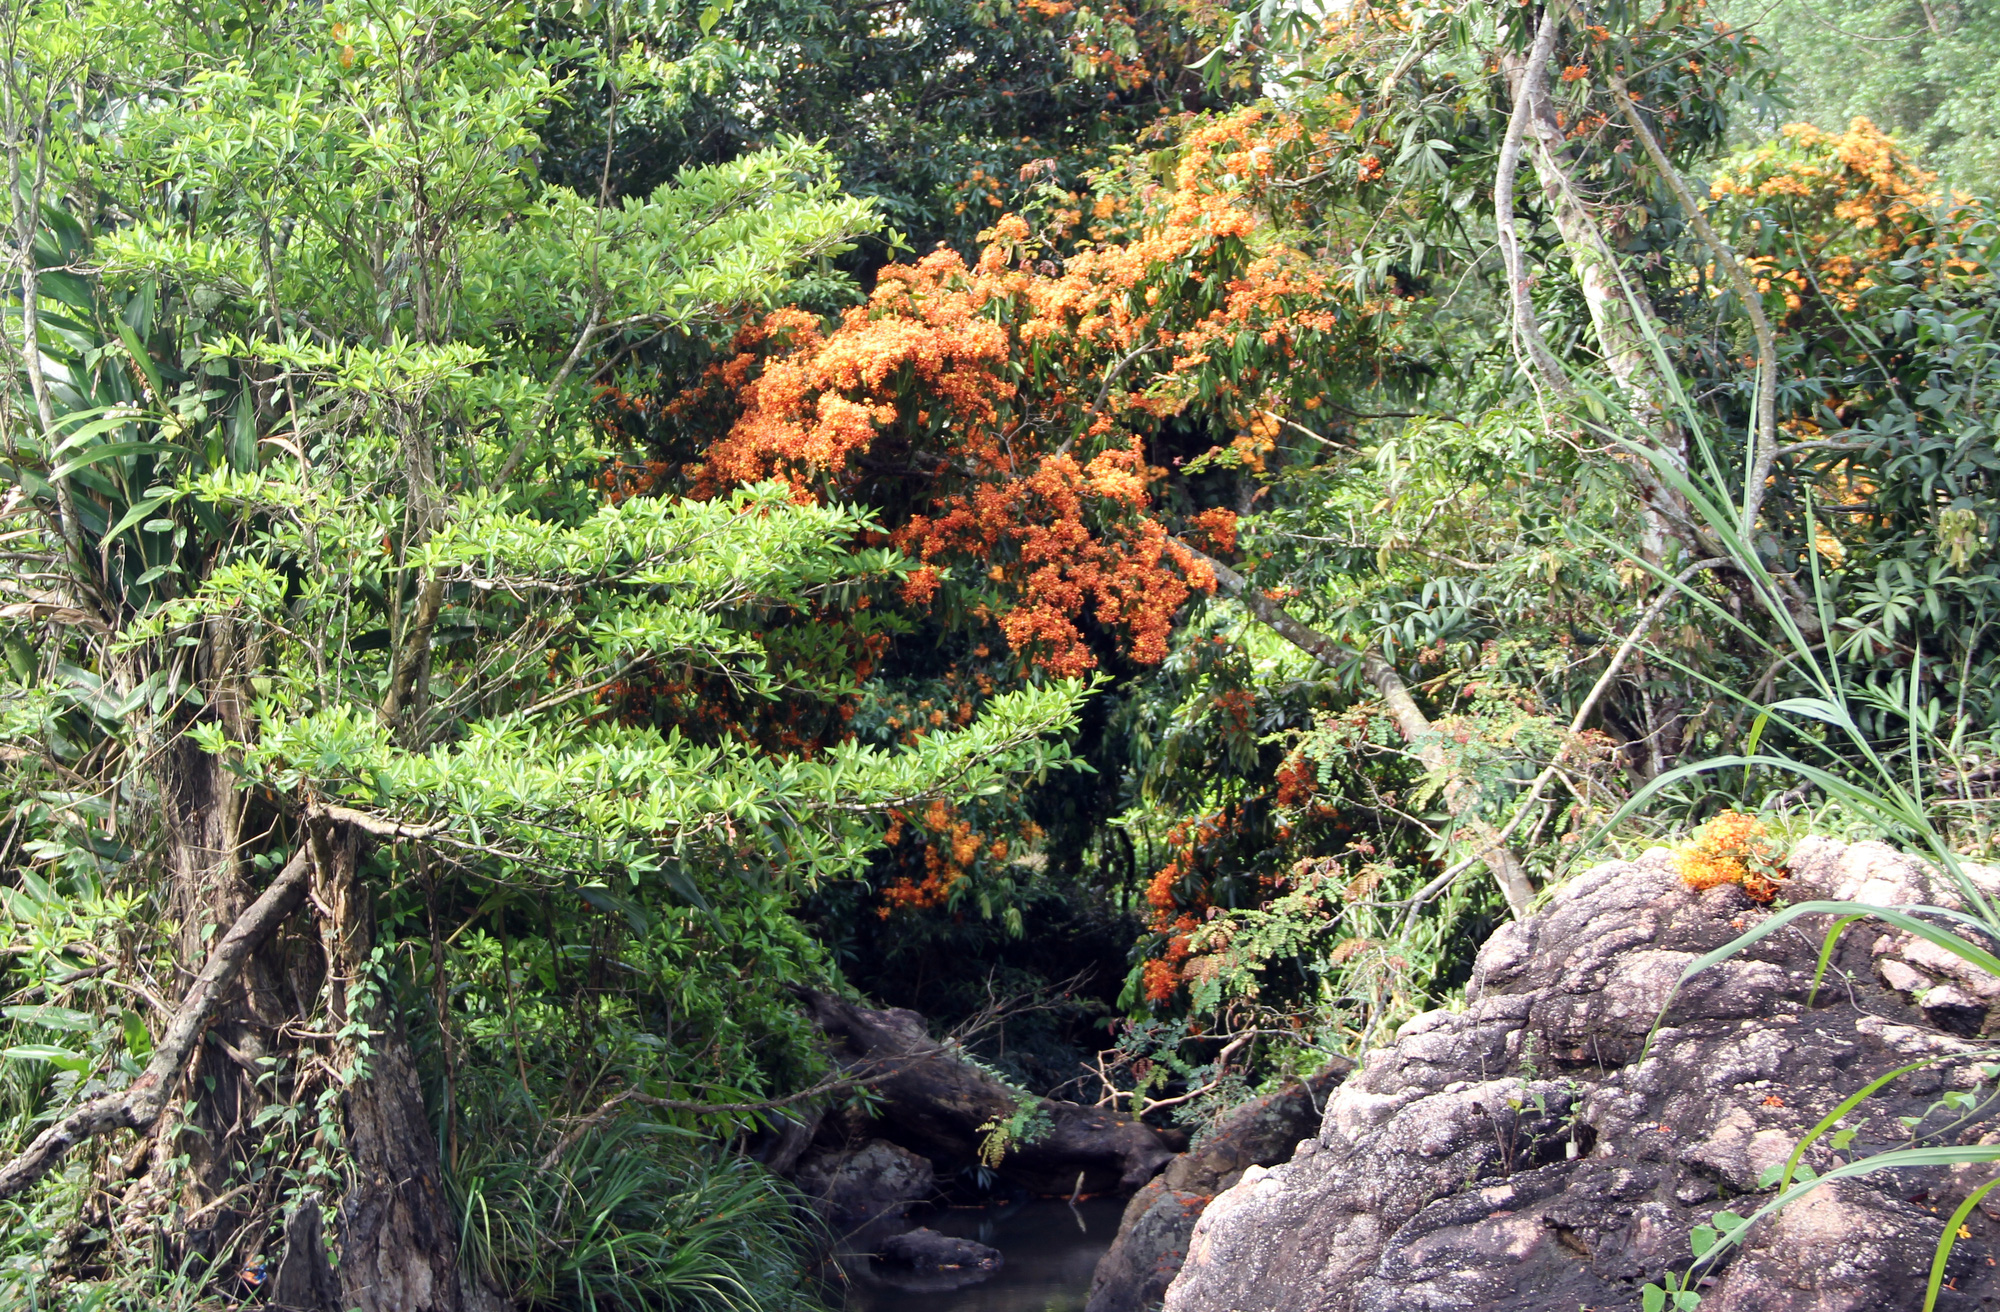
{"x":304,"y":457}
{"x":311,"y":474}
{"x":1027,"y":1124}
{"x":936,"y":110}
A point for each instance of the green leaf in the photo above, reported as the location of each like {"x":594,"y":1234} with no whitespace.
{"x":1818,"y":708}
{"x":62,"y":1057}
{"x":107,"y":452}
{"x":140,"y":355}
{"x":140,"y":509}
{"x":95,"y":428}
{"x":605,"y":900}
{"x":677,"y":878}
{"x":138,"y":1040}
{"x":53,"y":1018}
{"x":1653,"y":1299}
{"x":1941,"y":1256}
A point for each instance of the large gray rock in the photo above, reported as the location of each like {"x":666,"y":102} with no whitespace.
{"x":1153,"y":1234}
{"x":854,"y":1187}
{"x":1530,"y":1153}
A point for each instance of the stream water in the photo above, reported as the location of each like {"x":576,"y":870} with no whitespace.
{"x":1051,"y":1249}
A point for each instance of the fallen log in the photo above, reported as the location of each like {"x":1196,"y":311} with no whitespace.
{"x":937,"y":1104}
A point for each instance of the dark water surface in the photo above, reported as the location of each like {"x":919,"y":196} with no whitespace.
{"x":1051,"y":1251}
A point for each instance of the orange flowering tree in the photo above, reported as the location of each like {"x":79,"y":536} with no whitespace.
{"x":1120,"y":372}
{"x":1881,"y":276}
{"x":1823,"y":215}
{"x":1041,"y":427}
{"x":1011,"y":416}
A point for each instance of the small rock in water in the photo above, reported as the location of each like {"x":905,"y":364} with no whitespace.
{"x":926,"y":1250}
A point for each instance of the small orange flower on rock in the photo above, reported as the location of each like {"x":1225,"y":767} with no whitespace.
{"x":1732,"y":848}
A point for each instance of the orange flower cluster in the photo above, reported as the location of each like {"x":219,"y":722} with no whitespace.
{"x":1159,"y":980}
{"x":1849,"y":203}
{"x":1298,"y":780}
{"x":1732,"y":848}
{"x":911,"y":722}
{"x":1108,"y":44}
{"x":1213,"y":530}
{"x":1238,"y":706}
{"x":1185,"y":840}
{"x":1020,"y":390}
{"x":952,"y":847}
{"x":621,"y":481}
{"x":952,"y":851}
{"x":1176,"y":915}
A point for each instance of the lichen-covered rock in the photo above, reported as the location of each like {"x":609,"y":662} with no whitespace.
{"x":1153,"y":1235}
{"x":1532,"y":1153}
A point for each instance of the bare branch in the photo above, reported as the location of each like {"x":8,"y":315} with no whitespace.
{"x":1576,"y":724}
{"x":548,"y":401}
{"x":139,"y":1106}
{"x":1527,"y":335}
{"x":377,"y":827}
{"x":575,"y":1133}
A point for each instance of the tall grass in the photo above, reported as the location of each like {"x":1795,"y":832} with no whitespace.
{"x":1818,"y":739}
{"x":631,"y":1221}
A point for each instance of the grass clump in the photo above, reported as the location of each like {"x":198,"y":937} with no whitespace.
{"x":629,"y":1221}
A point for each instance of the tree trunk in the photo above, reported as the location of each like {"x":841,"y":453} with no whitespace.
{"x":226,"y":1081}
{"x":398,"y":1235}
{"x":1620,"y":313}
{"x":208,"y":892}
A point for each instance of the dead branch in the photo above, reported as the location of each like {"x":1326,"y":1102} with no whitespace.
{"x":377,"y":827}
{"x":584,"y":1126}
{"x":139,"y":1106}
{"x":1527,"y":336}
